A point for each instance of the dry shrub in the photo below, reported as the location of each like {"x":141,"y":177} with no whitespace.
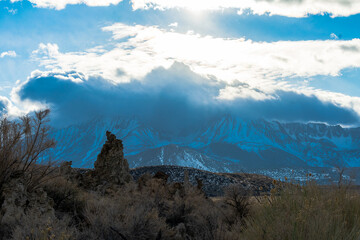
{"x":21,"y":144}
{"x":40,"y":228}
{"x":153,"y":210}
{"x":238,"y":200}
{"x":67,"y":196}
{"x":191,"y":214}
{"x":308,"y":212}
{"x":186,"y":210}
{"x":122,"y":218}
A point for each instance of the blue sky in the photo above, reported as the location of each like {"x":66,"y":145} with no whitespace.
{"x":249,"y":53}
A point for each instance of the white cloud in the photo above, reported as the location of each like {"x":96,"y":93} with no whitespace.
{"x":15,"y":106}
{"x":8,"y":54}
{"x":290,"y":8}
{"x":174,"y":24}
{"x":238,"y":59}
{"x":10,"y":10}
{"x":248,"y":69}
{"x":61,"y":4}
{"x":230,"y":93}
{"x":8,"y":108}
{"x":334,"y":36}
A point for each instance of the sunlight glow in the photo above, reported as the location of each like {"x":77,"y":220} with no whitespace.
{"x":272,"y":7}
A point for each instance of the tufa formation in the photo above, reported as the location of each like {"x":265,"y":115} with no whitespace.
{"x":111,"y":166}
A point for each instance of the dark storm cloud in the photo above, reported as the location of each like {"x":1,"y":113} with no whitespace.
{"x":293,"y":107}
{"x":175,"y":99}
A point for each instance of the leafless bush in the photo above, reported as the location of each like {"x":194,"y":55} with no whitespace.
{"x":22,"y":142}
{"x":238,"y":199}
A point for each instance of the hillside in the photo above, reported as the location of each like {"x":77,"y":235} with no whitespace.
{"x":214,"y":184}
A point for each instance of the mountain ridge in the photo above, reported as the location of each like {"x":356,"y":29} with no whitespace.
{"x":224,"y":144}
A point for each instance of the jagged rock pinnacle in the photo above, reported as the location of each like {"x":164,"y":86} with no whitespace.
{"x":110,"y":164}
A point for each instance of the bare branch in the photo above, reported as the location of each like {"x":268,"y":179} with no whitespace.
{"x":22,"y":142}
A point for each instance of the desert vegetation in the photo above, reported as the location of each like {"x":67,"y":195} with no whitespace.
{"x":59,"y":202}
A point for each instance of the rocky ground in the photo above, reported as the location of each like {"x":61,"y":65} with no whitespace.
{"x":213,"y":184}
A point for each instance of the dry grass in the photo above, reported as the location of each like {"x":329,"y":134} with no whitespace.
{"x":307,"y":212}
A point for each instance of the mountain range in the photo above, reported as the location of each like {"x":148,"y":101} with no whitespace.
{"x":225,"y":144}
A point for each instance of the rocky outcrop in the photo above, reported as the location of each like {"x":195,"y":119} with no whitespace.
{"x":111,"y":166}
{"x":65,"y":169}
{"x":111,"y":169}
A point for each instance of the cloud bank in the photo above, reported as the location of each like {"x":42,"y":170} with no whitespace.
{"x":173,"y":99}
{"x":288,"y":8}
{"x":246,"y":69}
{"x":227,"y":59}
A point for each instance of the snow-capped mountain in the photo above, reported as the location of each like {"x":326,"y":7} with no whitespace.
{"x":178,"y":156}
{"x":257,"y":143}
{"x":224,"y":144}
{"x":82,"y":143}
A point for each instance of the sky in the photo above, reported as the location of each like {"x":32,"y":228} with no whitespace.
{"x":182,"y":61}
